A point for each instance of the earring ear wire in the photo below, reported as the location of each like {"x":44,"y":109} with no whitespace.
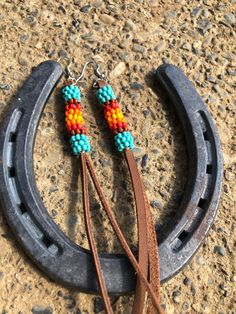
{"x":67,"y":71}
{"x":100,"y":76}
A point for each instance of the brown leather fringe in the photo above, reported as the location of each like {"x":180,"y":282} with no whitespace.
{"x":147,"y":243}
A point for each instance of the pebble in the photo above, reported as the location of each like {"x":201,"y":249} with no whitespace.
{"x":138,"y":48}
{"x":231,"y":72}
{"x":230,"y":18}
{"x":71,"y":302}
{"x":146,"y":113}
{"x":87,"y":36}
{"x":129,"y":25}
{"x":118,"y":70}
{"x":170,"y":14}
{"x":159,"y":135}
{"x":200,"y":260}
{"x":1,"y":275}
{"x":187,"y":281}
{"x":107,"y":19}
{"x":211,"y":79}
{"x":105,"y":162}
{"x":163,"y":305}
{"x":54,"y":213}
{"x":41,"y":310}
{"x":177,"y":299}
{"x":76,"y":24}
{"x":136,"y":85}
{"x":98,"y":3}
{"x":219,"y":249}
{"x":185,"y":306}
{"x":24,"y":38}
{"x":22,"y":61}
{"x":156,"y":204}
{"x":135,"y":98}
{"x":193,"y":289}
{"x":63,"y":53}
{"x":205,"y":298}
{"x":144,"y":161}
{"x":204,"y":25}
{"x":4,"y":86}
{"x":98,"y":305}
{"x":53,"y":189}
{"x":217,"y":89}
{"x":223,"y":287}
{"x":62,"y":8}
{"x":187,"y":46}
{"x":155,"y":151}
{"x":160,"y":47}
{"x":176,"y":293}
{"x":138,"y":151}
{"x":124,"y":56}
{"x":196,"y":11}
{"x":85,"y":9}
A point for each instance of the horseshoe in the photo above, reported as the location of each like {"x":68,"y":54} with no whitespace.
{"x":42,"y":239}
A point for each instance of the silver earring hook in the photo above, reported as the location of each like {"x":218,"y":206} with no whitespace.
{"x":82,"y":73}
{"x":67,"y":70}
{"x":101,"y":76}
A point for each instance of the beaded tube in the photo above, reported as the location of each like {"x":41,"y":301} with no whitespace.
{"x":115,"y":119}
{"x":74,"y":120}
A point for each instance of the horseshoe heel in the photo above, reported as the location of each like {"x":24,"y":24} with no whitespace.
{"x":200,"y":201}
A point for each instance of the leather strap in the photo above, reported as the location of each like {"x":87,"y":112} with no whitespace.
{"x":122,"y":240}
{"x":151,"y":241}
{"x":91,"y":237}
{"x":154,"y":271}
{"x":143,"y":247}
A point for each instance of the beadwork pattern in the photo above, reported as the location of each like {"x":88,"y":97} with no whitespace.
{"x":105,"y":94}
{"x":115,"y":119}
{"x":74,"y":120}
{"x":71,"y":91}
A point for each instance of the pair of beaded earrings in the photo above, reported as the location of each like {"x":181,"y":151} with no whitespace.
{"x":74,"y":118}
{"x":146,"y":264}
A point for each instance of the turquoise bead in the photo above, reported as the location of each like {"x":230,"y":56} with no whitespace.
{"x":80,"y":144}
{"x":124,"y":140}
{"x":105,"y":94}
{"x":71,"y":91}
{"x":72,"y":139}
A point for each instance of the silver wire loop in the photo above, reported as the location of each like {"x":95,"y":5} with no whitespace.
{"x":68,"y":73}
{"x":71,"y":77}
{"x":101,"y":76}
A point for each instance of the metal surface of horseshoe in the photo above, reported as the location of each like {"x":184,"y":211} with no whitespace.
{"x":42,"y":239}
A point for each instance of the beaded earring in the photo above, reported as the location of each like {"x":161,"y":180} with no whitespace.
{"x":147,"y":242}
{"x":147,"y":264}
{"x":74,"y":118}
{"x":115,"y":119}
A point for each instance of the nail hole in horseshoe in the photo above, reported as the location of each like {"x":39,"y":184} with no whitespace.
{"x":12,"y":172}
{"x":12,"y":137}
{"x":209,"y":169}
{"x":22,"y":208}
